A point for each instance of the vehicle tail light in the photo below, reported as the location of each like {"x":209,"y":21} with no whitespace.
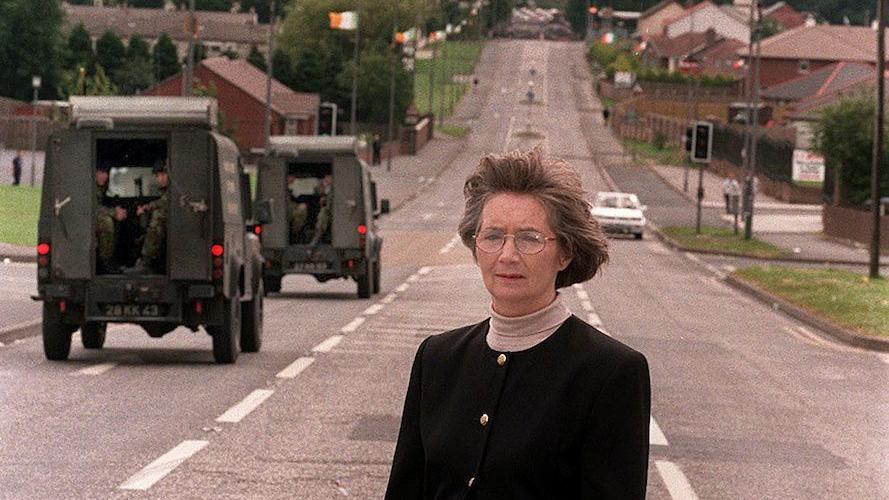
{"x":362,"y":235}
{"x":198,"y":307}
{"x":351,"y":264}
{"x":43,"y":254}
{"x":63,"y":306}
{"x":217,"y":251}
{"x":257,"y":230}
{"x":43,"y":249}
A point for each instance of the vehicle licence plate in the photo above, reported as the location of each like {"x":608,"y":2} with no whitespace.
{"x":311,"y":266}
{"x":132,"y":310}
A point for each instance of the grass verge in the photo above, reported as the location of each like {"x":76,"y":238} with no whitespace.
{"x":722,"y":240}
{"x":19,"y":209}
{"x":454,"y":130}
{"x":842,"y":297}
{"x":454,"y":58}
{"x":651,"y":154}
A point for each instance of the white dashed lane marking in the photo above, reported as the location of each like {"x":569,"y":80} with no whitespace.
{"x":96,"y":369}
{"x":328,"y":344}
{"x":352,"y":326}
{"x":237,"y":412}
{"x":155,"y":471}
{"x":295,"y":368}
{"x":582,"y":295}
{"x":594,"y":320}
{"x":370,"y":311}
{"x":655,"y":434}
{"x":675,"y":480}
{"x":586,"y":305}
{"x":388,"y":299}
{"x":403,"y":287}
{"x":450,"y":245}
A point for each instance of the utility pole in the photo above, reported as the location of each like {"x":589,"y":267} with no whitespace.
{"x":691,"y":96}
{"x":391,"y":132}
{"x":750,"y":184}
{"x":36,"y":81}
{"x":192,"y":33}
{"x":877,"y":159}
{"x":432,"y":77}
{"x":353,"y":126}
{"x":441,"y":99}
{"x":268,"y":78}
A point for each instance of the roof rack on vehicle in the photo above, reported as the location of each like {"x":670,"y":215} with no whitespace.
{"x":108,"y":111}
{"x":295,"y":144}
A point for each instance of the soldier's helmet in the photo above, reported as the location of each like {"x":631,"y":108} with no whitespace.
{"x":103,"y":167}
{"x":159,"y":166}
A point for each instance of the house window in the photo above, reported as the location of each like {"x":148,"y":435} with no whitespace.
{"x":803,"y":65}
{"x":292,"y":127}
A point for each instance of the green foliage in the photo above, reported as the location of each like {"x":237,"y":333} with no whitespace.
{"x":844,"y":136}
{"x":100,"y":84}
{"x":30,"y":44}
{"x":227,"y":127}
{"x":308,"y":72}
{"x":211,"y":5}
{"x":137,"y":48}
{"x":373,"y":85}
{"x":134,"y":76}
{"x":262,"y":8}
{"x":80,"y":48}
{"x":256,"y":58}
{"x":576,"y":13}
{"x":722,"y":239}
{"x":19,"y":209}
{"x":145,"y":4}
{"x":463,"y":56}
{"x":164,"y":57}
{"x":110,"y":52}
{"x":282,"y":68}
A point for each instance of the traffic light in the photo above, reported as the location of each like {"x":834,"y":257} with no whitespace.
{"x":686,"y":141}
{"x":702,"y":142}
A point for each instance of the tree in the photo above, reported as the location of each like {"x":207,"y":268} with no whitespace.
{"x":844,"y":136}
{"x":100,"y":84}
{"x":80,"y":49}
{"x":261,"y":7}
{"x":134,"y":76}
{"x":256,"y":58}
{"x":165,"y":58}
{"x":137,"y":48}
{"x":146,"y":4}
{"x":31,"y":43}
{"x":211,"y":5}
{"x":576,"y":13}
{"x":373,"y":85}
{"x":110,"y":52}
{"x":282,"y":68}
{"x":308,"y":72}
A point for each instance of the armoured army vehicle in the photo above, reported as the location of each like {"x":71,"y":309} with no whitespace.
{"x":323,"y":206}
{"x":104,"y":186}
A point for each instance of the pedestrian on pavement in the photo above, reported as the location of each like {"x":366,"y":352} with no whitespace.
{"x":606,"y":114}
{"x":727,"y":191}
{"x":376,"y":146}
{"x":532,"y":402}
{"x":17,"y":169}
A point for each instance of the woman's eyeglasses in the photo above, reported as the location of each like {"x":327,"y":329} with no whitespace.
{"x":526,"y":242}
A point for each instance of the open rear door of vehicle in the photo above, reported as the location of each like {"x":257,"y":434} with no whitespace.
{"x":348,"y":202}
{"x":191,"y":206}
{"x":272,"y":186}
{"x":71,"y":209}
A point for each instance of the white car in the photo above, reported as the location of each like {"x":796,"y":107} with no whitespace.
{"x":619,"y":213}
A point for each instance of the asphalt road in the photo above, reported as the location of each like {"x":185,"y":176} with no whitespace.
{"x":746,"y":402}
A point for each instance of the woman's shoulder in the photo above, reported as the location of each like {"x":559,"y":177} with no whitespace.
{"x":594,"y":345}
{"x":456,"y":339}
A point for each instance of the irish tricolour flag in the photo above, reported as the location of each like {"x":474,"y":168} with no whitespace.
{"x":343,"y":20}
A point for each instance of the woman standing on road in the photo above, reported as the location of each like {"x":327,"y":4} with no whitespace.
{"x":533,"y":402}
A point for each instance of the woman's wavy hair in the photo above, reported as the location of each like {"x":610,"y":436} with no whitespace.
{"x":558,"y":187}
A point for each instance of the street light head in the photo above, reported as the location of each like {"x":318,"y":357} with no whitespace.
{"x":36,"y":81}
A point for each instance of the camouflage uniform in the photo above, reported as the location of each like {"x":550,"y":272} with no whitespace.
{"x":156,"y":234}
{"x":322,"y":223}
{"x":104,"y":227}
{"x":297,"y":213}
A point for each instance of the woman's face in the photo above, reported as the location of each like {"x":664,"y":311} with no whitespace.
{"x":519,"y":284}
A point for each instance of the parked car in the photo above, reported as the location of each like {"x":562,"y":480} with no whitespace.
{"x":619,"y":213}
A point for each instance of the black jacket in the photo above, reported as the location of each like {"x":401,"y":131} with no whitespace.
{"x":565,"y":419}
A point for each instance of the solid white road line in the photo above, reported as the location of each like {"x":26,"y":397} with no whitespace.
{"x":424,"y":270}
{"x":96,"y":369}
{"x":155,"y":471}
{"x":450,"y":245}
{"x":594,"y":320}
{"x":508,"y":134}
{"x":370,"y":311}
{"x":19,"y":326}
{"x":237,"y":412}
{"x":582,"y":295}
{"x":585,"y":304}
{"x":295,"y":368}
{"x":675,"y":480}
{"x":884,"y":357}
{"x":351,"y":327}
{"x":388,"y":299}
{"x":403,"y":287}
{"x":655,"y":434}
{"x":413,"y":278}
{"x":427,"y":216}
{"x":729,"y":268}
{"x":328,"y":344}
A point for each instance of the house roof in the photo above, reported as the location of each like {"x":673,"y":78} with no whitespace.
{"x":252,"y":81}
{"x":679,"y":46}
{"x":821,"y":42}
{"x":150,"y":23}
{"x":825,"y":81}
{"x":654,"y":9}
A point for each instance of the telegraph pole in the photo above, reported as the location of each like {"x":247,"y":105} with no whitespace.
{"x":268,"y":78}
{"x":692,"y":99}
{"x":353,"y":126}
{"x":192,"y":33}
{"x":391,"y":132}
{"x":751,"y":179}
{"x":877,"y":159}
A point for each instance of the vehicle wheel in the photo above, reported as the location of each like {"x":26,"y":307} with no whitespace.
{"x":365,"y":282}
{"x":376,"y":277}
{"x":251,"y":321}
{"x":56,"y":335}
{"x":92,"y":335}
{"x":638,"y":236}
{"x":272,"y":284}
{"x":226,"y":336}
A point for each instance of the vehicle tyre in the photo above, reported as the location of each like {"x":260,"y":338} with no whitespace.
{"x":226,"y":336}
{"x":365,"y":282}
{"x":376,"y":276}
{"x":92,"y":335}
{"x":638,"y":236}
{"x":251,"y":321}
{"x":272,"y":284}
{"x":56,"y":335}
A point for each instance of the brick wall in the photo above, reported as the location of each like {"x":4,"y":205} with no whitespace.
{"x":855,"y":225}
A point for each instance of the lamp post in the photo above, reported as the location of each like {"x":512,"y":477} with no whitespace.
{"x":877,"y":159}
{"x":333,"y":111}
{"x":267,"y":123}
{"x":192,"y":33}
{"x":35,"y":84}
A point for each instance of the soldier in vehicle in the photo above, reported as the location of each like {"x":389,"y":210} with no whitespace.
{"x":106,"y":230}
{"x":156,"y":234}
{"x":297,"y":211}
{"x":322,"y":223}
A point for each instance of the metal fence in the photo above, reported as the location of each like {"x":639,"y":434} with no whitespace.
{"x":774,"y":157}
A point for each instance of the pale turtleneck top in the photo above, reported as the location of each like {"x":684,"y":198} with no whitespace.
{"x":518,"y":333}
